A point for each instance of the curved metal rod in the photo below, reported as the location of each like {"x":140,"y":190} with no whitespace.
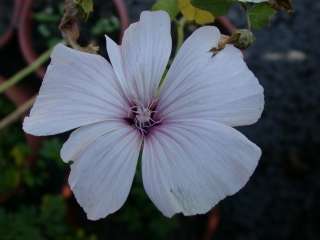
{"x":25,"y":35}
{"x":123,"y":15}
{"x":7,"y":35}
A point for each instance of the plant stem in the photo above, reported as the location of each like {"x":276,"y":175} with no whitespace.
{"x":248,"y":20}
{"x":180,"y":33}
{"x":26,"y":71}
{"x":14,"y":116}
{"x":246,"y":10}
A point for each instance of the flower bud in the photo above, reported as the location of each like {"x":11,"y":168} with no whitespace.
{"x":242,"y":38}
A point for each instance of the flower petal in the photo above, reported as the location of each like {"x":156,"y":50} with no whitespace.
{"x":101,"y":176}
{"x":189,"y":166}
{"x":81,"y":138}
{"x":78,"y":89}
{"x":142,"y":58}
{"x":215,"y":87}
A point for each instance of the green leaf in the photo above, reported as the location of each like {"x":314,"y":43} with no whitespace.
{"x":86,"y":6}
{"x":260,"y":15}
{"x":9,"y":179}
{"x":51,"y":150}
{"x":105,"y":25}
{"x":19,"y":153}
{"x":170,"y":6}
{"x":44,"y":17}
{"x":192,"y":13}
{"x":216,"y":7}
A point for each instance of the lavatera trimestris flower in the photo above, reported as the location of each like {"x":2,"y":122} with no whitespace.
{"x":192,"y":157}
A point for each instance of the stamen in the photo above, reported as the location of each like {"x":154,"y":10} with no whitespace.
{"x":143,"y":118}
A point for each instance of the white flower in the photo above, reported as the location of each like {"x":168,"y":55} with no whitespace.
{"x":192,"y":157}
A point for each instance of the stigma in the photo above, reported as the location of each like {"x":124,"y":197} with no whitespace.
{"x":143,"y":115}
{"x":143,"y":118}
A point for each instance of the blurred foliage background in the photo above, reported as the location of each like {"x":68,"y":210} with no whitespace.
{"x":280,"y":201}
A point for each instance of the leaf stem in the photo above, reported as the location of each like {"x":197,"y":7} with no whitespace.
{"x":246,"y":10}
{"x":26,"y":71}
{"x":180,"y":32}
{"x":248,"y":20}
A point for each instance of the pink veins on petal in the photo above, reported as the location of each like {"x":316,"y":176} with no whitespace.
{"x":192,"y":157}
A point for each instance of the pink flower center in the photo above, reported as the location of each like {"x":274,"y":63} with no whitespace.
{"x":143,"y":118}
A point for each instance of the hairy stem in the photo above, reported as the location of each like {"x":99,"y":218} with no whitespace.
{"x":25,"y":72}
{"x":248,"y":20}
{"x":14,"y":116}
{"x":246,"y":11}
